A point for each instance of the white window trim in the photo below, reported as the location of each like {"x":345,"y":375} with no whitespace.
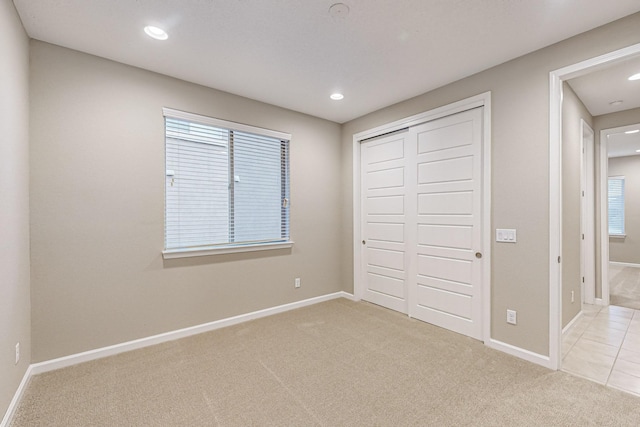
{"x":225,"y":124}
{"x":226,"y":249}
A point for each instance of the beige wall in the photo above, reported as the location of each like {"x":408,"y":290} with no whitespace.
{"x":573,"y":111}
{"x":97,"y":200}
{"x":14,"y":203}
{"x":520,"y":172}
{"x":600,"y":123}
{"x":97,"y":175}
{"x":627,"y":249}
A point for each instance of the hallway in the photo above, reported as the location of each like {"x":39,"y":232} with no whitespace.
{"x":604,"y":346}
{"x":624,"y":285}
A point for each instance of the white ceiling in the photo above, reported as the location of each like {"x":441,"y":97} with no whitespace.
{"x":599,"y":88}
{"x":294,"y":54}
{"x":621,"y":144}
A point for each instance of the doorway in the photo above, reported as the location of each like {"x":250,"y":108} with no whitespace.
{"x":557,"y":78}
{"x":620,"y":218}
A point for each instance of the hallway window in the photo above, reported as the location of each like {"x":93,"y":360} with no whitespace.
{"x":616,"y":205}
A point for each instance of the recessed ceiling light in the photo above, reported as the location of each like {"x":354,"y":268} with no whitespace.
{"x":635,"y":77}
{"x":156,"y":33}
{"x":629,"y":132}
{"x":337,"y":96}
{"x":615,"y":103}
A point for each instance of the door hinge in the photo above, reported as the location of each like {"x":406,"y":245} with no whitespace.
{"x":583,"y":280}
{"x":582,"y":236}
{"x":559,"y":259}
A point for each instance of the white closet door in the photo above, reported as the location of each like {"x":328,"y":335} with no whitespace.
{"x":445,"y":287}
{"x":383,"y":180}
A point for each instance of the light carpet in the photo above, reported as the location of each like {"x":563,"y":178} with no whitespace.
{"x":338,"y":363}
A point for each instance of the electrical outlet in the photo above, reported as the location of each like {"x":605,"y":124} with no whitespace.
{"x":17,"y":353}
{"x":573,"y":296}
{"x":512,"y":317}
{"x":297,"y":282}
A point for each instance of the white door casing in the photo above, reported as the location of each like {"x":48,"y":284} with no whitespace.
{"x":556,"y":78}
{"x":587,"y":215}
{"x":604,"y":209}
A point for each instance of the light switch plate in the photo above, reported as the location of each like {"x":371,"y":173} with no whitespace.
{"x":506,"y":235}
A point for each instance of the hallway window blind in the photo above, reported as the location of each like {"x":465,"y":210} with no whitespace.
{"x":616,"y":205}
{"x":227,"y":184}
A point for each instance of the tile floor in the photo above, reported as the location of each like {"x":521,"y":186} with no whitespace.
{"x":603,"y":345}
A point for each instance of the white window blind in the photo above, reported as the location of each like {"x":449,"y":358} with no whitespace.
{"x":616,"y":205}
{"x":227,"y":184}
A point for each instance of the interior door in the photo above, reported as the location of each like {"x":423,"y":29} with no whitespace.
{"x":446,"y":288}
{"x":383,"y":189}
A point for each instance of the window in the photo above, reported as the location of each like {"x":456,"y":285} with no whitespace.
{"x":616,"y":205}
{"x":227,"y":186}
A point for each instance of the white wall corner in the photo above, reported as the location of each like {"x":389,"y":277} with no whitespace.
{"x":17,"y":397}
{"x":99,"y":353}
{"x":521,"y":353}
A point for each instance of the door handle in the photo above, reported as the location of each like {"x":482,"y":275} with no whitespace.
{"x":364,"y":242}
{"x":478,"y":255}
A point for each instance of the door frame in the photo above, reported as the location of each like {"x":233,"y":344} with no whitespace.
{"x":481,"y":100}
{"x":604,"y":208}
{"x":587,"y":214}
{"x":556,"y":79}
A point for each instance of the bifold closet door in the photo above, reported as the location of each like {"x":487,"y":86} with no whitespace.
{"x":445,"y":289}
{"x":383,"y":192}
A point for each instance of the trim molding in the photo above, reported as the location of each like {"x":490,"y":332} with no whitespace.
{"x":226,"y":124}
{"x":625,"y":264}
{"x":99,"y":353}
{"x":74,"y":359}
{"x":573,"y":321}
{"x":556,"y":77}
{"x":226,"y":249}
{"x":604,"y":209}
{"x":521,"y":353}
{"x":17,"y":397}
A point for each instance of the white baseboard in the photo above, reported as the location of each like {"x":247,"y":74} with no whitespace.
{"x":62,"y":362}
{"x":8,"y":416}
{"x":598,"y":301}
{"x":527,"y":355}
{"x":74,"y":359}
{"x":111,"y":350}
{"x":625,"y":264}
{"x":573,"y":321}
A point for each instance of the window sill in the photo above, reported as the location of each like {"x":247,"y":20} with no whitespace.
{"x":220,"y":250}
{"x":617,"y":236}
